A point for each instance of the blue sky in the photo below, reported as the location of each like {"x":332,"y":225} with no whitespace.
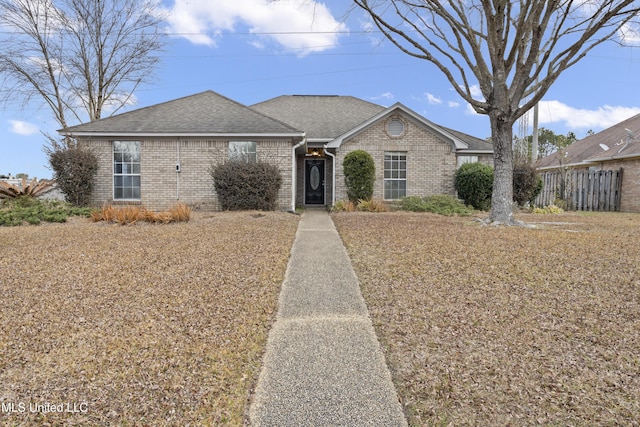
{"x":230,"y":47}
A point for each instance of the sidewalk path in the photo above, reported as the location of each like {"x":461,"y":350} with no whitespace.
{"x":323,"y":364}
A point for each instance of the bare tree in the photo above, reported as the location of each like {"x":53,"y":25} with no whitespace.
{"x":77,"y":56}
{"x":513,"y":51}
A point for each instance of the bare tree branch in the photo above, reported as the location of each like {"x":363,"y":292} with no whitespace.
{"x":514,"y":51}
{"x":77,"y":56}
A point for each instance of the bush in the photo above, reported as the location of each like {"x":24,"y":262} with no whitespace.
{"x":74,"y":168}
{"x":360,"y":206}
{"x":526,"y":184}
{"x":32,"y":211}
{"x":474,"y":184}
{"x":359,"y":175}
{"x":131,"y":214}
{"x":246,"y":186}
{"x":438,"y":204}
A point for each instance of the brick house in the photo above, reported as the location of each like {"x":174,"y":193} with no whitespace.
{"x":611,"y":149}
{"x":160,"y":155}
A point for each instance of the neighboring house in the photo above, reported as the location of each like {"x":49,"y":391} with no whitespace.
{"x":611,"y":149}
{"x":160,"y":155}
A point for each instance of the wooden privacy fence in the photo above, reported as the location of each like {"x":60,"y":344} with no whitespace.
{"x":582,"y":189}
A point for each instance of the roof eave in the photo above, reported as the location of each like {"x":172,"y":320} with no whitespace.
{"x":185,"y":134}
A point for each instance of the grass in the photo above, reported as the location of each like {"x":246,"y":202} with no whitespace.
{"x":29,"y":210}
{"x":138,"y":325}
{"x":130,"y":214}
{"x":505,"y":326}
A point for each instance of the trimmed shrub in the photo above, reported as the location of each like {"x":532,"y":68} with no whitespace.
{"x":439,"y":204}
{"x":474,"y":184}
{"x":359,"y":175}
{"x":74,"y":168}
{"x":246,"y":186}
{"x":526,"y":184}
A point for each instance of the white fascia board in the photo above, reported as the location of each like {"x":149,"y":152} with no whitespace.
{"x":568,"y":165}
{"x":458,"y":144}
{"x":186,"y":135}
{"x":615,"y":157}
{"x":466,"y":152}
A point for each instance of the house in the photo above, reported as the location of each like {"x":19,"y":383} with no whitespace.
{"x":615,"y":148}
{"x":160,"y":155}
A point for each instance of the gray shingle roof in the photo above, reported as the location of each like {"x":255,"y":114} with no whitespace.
{"x":203,"y":113}
{"x":589,"y":149}
{"x":321,"y":117}
{"x":474,"y":143}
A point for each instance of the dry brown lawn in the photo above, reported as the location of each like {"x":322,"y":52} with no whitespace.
{"x":489,"y":326}
{"x":159,"y":325}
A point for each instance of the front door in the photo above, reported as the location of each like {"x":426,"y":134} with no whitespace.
{"x":314,"y":182}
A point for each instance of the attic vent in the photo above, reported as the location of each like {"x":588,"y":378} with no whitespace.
{"x":395,"y":127}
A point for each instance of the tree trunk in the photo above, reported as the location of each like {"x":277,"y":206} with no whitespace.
{"x":502,"y":197}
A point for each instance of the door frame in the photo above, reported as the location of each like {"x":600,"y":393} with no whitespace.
{"x":324,"y":180}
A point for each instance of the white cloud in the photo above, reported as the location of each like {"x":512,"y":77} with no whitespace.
{"x":23,"y":128}
{"x":432,"y":99}
{"x":583,"y":119}
{"x":453,"y":104}
{"x":386,"y":96}
{"x":303,"y":25}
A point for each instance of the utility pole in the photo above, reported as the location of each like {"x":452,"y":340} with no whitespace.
{"x":534,"y":136}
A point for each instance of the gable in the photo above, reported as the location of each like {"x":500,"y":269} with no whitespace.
{"x":402,"y":111}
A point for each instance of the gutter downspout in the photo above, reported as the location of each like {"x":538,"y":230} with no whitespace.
{"x":294,"y":169}
{"x":178,"y":171}
{"x":333,"y":175}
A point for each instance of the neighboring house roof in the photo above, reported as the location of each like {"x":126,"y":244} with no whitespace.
{"x":205,"y":113}
{"x":617,"y":142}
{"x":323,"y":118}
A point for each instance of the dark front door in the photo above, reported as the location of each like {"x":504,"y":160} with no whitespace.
{"x":314,"y":182}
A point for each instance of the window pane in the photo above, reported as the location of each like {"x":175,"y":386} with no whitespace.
{"x":126,"y":169}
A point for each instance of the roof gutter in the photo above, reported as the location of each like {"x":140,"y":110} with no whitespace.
{"x":333,"y":178}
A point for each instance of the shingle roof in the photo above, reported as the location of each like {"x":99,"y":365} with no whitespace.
{"x":592,"y":148}
{"x":474,"y":143}
{"x":321,"y":117}
{"x":203,"y":113}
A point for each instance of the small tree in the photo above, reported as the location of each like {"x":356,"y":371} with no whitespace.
{"x":359,"y":175}
{"x":74,"y":168}
{"x":244,"y":185}
{"x":525,"y":183}
{"x":474,"y":184}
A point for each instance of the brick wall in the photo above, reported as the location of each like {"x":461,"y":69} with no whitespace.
{"x":431,"y":161}
{"x":630,"y":197}
{"x":162,"y":187}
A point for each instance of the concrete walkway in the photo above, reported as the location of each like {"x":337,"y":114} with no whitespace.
{"x":323,"y":365}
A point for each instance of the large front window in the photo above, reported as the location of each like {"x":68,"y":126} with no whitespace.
{"x":126,"y":170}
{"x":395,"y":175}
{"x":244,"y":151}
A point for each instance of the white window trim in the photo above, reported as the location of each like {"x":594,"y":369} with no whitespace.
{"x":384,"y":169}
{"x":114,"y":174}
